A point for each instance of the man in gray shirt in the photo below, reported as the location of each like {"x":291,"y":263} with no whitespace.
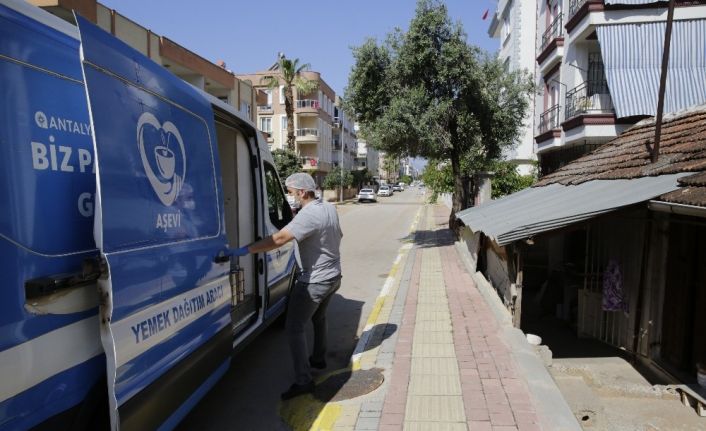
{"x":318,"y":234}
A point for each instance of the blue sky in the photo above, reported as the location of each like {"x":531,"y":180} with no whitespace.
{"x":247,"y":35}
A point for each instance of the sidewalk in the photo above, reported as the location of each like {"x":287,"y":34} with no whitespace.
{"x":444,"y":351}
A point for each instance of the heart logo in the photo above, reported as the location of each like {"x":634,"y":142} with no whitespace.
{"x":162,"y":150}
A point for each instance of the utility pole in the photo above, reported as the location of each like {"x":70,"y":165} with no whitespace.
{"x":663,"y":82}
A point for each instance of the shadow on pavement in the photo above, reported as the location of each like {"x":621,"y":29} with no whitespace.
{"x":430,"y":238}
{"x":248,"y":395}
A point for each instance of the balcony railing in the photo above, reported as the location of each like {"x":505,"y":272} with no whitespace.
{"x":308,"y":103}
{"x":574,"y":6}
{"x":336,"y":144}
{"x":307,"y":132}
{"x":591,"y":97}
{"x":549,"y":119}
{"x":553,"y":31}
{"x":261,"y":108}
{"x":309,"y":162}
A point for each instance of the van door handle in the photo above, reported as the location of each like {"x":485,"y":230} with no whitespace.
{"x":221,"y":257}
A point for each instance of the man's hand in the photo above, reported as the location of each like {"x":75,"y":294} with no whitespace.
{"x":239,"y":252}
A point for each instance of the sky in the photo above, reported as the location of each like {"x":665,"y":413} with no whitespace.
{"x":247,"y":35}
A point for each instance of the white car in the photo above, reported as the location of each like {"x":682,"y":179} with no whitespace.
{"x":366,"y":195}
{"x":384,"y":191}
{"x":397,"y":188}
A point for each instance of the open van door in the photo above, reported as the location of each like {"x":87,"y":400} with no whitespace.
{"x":165,"y":292}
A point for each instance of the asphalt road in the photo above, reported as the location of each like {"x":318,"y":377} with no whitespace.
{"x":247,"y":397}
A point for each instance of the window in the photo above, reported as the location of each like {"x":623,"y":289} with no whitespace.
{"x":277,"y":206}
{"x":269,"y":97}
{"x":281,"y":94}
{"x":266,"y":124}
{"x":283,"y":121}
{"x":245,"y":107}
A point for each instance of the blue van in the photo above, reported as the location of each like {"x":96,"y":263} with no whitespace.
{"x":121,"y":190}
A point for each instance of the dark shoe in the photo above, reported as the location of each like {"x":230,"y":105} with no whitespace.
{"x":295,"y":390}
{"x":317,"y":364}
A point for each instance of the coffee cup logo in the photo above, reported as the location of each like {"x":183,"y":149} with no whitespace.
{"x":161,"y":147}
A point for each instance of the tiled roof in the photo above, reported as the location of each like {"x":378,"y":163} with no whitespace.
{"x":682,"y":149}
{"x":692,"y":191}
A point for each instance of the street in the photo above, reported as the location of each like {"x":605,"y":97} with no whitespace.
{"x":247,"y":397}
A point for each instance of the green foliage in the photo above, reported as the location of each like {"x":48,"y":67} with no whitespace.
{"x":334,"y":178}
{"x":506,"y":180}
{"x":428,"y":93}
{"x":290,"y":76}
{"x":286,"y":162}
{"x":438,"y":178}
{"x":361,"y":177}
{"x":406,"y":179}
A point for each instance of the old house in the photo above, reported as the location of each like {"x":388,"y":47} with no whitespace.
{"x":611,"y":246}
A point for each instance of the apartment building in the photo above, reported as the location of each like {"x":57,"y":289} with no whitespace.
{"x":345,"y":145}
{"x":514,"y":25}
{"x":367,"y":156}
{"x":599,"y":68}
{"x":313,"y":120}
{"x":187,"y":65}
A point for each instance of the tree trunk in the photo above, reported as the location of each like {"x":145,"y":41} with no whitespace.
{"x":459,"y":196}
{"x":289,"y":110}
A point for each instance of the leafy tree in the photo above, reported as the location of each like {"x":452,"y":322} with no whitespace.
{"x":361,"y":177}
{"x":286,"y":162}
{"x":290,"y":76}
{"x":438,"y":178}
{"x":428,"y":93}
{"x":334,"y":179}
{"x":406,"y":179}
{"x":506,"y":180}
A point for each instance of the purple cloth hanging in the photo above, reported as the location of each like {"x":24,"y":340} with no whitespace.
{"x":613,"y":298}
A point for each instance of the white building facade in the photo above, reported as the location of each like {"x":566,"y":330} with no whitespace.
{"x":514,"y":25}
{"x":599,"y":65}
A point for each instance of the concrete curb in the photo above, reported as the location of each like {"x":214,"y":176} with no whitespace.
{"x":551,"y":406}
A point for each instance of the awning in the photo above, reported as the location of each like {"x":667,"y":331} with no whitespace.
{"x":632,"y":56}
{"x":542,"y":209}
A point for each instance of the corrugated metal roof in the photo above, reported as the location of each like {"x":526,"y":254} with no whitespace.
{"x":541,"y":209}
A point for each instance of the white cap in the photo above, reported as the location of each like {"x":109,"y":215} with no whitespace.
{"x":301,"y":181}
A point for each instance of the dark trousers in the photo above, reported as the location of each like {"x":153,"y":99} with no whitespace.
{"x":308,"y":301}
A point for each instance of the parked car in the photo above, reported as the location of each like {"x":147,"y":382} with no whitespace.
{"x":366,"y":195}
{"x":385,"y":191}
{"x":397,"y":188}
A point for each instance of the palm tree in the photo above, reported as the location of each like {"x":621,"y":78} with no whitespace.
{"x":290,"y":74}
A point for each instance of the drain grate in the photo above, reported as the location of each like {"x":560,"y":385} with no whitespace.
{"x":348,"y":384}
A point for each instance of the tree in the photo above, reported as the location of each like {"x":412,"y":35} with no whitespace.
{"x":286,"y":162}
{"x":334,"y":179}
{"x":290,"y":77}
{"x":506,"y":180}
{"x":428,"y":93}
{"x":362,"y":177}
{"x":438,"y":178}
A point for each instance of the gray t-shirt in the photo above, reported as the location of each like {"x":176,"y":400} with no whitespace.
{"x":318,"y":236}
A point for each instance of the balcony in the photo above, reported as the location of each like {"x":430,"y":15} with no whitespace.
{"x":554,"y":30}
{"x":307,"y":106}
{"x":549,"y":119}
{"x":589,"y":98}
{"x":336,"y":145}
{"x":549,"y":129}
{"x":579,"y":9}
{"x":310,"y":163}
{"x":552,"y":45}
{"x":264,"y":109}
{"x":307,"y":135}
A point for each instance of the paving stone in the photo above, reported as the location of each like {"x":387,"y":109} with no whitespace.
{"x":434,"y":426}
{"x":434,"y":408}
{"x":435,"y":366}
{"x":367,"y":423}
{"x":433,"y":350}
{"x":427,"y":384}
{"x":433,"y":337}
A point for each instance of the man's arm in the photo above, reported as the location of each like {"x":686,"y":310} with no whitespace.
{"x":271,"y":242}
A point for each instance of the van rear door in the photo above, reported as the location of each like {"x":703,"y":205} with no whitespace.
{"x":165,"y":293}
